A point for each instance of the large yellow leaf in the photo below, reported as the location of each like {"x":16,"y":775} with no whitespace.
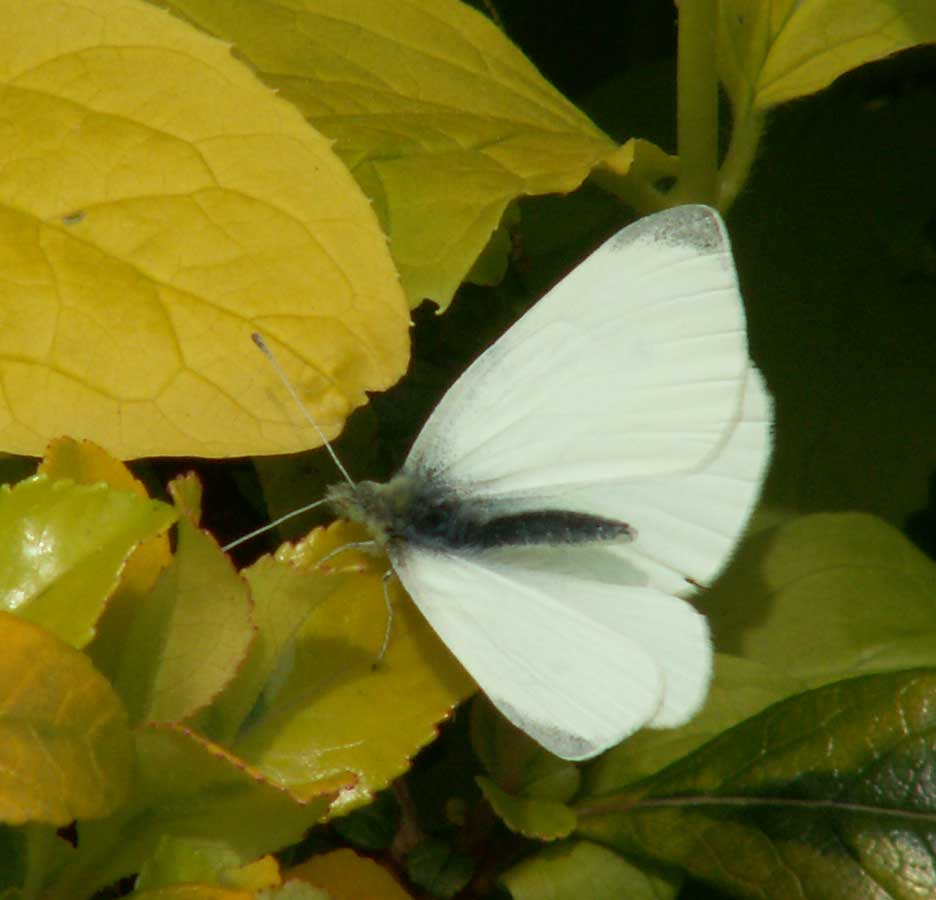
{"x":771,"y":52}
{"x":157,"y":205}
{"x":442,"y":119}
{"x":65,"y":749}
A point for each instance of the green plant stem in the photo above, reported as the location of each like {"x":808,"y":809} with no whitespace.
{"x":697,"y":102}
{"x":746,"y":131}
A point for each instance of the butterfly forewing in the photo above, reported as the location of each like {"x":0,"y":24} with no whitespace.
{"x":686,"y":523}
{"x":632,"y":366}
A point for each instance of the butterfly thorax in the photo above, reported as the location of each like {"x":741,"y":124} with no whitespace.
{"x":420,"y":511}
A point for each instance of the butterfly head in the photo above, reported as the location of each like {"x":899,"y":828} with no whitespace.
{"x":381,"y":508}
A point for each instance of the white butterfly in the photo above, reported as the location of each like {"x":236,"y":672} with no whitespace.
{"x":579,"y":478}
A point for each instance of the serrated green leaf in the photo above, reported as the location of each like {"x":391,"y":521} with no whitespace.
{"x":189,"y":787}
{"x":338,"y":709}
{"x":544,"y":820}
{"x":63,"y":546}
{"x":284,"y":591}
{"x":834,"y":788}
{"x":188,"y":637}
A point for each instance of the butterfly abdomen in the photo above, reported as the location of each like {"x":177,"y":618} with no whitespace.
{"x":422,"y":513}
{"x":546,"y":527}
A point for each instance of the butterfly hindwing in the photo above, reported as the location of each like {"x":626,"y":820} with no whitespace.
{"x":576,"y":664}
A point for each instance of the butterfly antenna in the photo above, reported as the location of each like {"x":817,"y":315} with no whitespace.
{"x":263,"y":529}
{"x":268,"y":353}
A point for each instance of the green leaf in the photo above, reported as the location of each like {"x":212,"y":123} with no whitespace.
{"x":178,"y":859}
{"x":65,"y":749}
{"x":333,"y":872}
{"x":334,"y":707}
{"x":372,"y":827}
{"x":436,"y":867}
{"x":284,"y":591}
{"x":195,"y":891}
{"x":839,"y":594}
{"x":188,"y":636}
{"x":576,"y":870}
{"x":63,"y":549}
{"x":833,"y":788}
{"x":190,"y":788}
{"x":544,"y":820}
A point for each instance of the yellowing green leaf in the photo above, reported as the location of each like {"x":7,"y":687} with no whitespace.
{"x":62,"y":548}
{"x":189,"y":787}
{"x":774,"y":52}
{"x":335,"y":871}
{"x":65,"y":749}
{"x":209,"y":861}
{"x":87,"y":463}
{"x":195,"y":892}
{"x":284,"y":591}
{"x":338,"y":709}
{"x":261,"y":873}
{"x":441,"y":118}
{"x":158,"y":205}
{"x":188,"y":637}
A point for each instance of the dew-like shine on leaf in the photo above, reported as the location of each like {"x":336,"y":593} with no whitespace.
{"x":63,"y":547}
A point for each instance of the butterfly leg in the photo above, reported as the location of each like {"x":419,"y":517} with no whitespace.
{"x":354,"y":545}
{"x":385,"y":582}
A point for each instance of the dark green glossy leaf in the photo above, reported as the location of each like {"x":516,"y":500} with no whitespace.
{"x":834,"y":788}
